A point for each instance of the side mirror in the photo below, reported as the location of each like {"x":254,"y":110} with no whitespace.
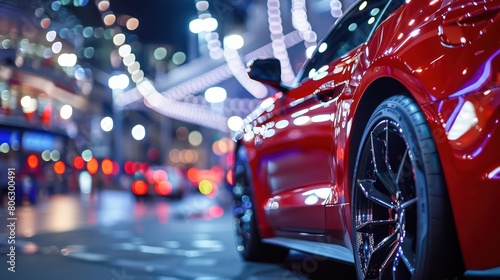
{"x":266,"y":71}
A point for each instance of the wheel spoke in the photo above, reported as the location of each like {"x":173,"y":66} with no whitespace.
{"x":406,"y":252}
{"x":401,"y":165}
{"x":390,"y":258}
{"x":370,"y":192}
{"x":408,"y":256}
{"x":409,"y":203}
{"x":368,"y":227}
{"x":382,"y":252}
{"x":382,"y":168}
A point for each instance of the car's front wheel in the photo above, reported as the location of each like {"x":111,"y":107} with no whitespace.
{"x":248,"y":240}
{"x":402,"y":222}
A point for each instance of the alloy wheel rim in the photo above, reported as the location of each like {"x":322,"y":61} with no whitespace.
{"x":385,"y":201}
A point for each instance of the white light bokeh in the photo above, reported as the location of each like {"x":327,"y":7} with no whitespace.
{"x":67,"y":60}
{"x":51,"y":36}
{"x":138,"y":132}
{"x":235,"y":123}
{"x":124,"y":50}
{"x":118,"y":82}
{"x":66,"y":111}
{"x":57,"y":47}
{"x":196,"y":26}
{"x":195,"y":138}
{"x":215,"y":95}
{"x":107,"y":124}
{"x":234,"y":41}
{"x":119,"y":39}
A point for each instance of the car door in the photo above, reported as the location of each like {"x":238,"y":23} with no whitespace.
{"x":298,"y":139}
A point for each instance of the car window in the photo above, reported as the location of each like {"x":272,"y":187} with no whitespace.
{"x":352,"y":30}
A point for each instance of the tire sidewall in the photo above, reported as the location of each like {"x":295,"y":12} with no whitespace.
{"x":393,"y":110}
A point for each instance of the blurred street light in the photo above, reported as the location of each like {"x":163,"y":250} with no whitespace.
{"x":234,"y":42}
{"x":215,"y":95}
{"x":138,"y":132}
{"x":160,"y":53}
{"x":179,"y":58}
{"x":67,"y":60}
{"x":107,"y":124}
{"x":195,"y":138}
{"x":66,"y":111}
{"x":124,"y":50}
{"x":235,"y":123}
{"x":118,"y":82}
{"x":196,"y":26}
{"x":199,"y":25}
{"x":119,"y":39}
{"x":87,"y":155}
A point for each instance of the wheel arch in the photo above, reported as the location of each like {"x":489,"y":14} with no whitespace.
{"x":378,"y":91}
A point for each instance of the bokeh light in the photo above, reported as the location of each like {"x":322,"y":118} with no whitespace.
{"x":163,"y":188}
{"x":132,"y":23}
{"x":215,"y":95}
{"x":109,"y":20}
{"x":85,"y":182}
{"x":138,"y":132}
{"x":46,"y":155}
{"x":160,"y":53}
{"x":119,"y":39}
{"x":87,"y":155}
{"x":59,"y":167}
{"x":182,"y":133}
{"x":107,"y":124}
{"x":124,"y":50}
{"x":140,"y":187}
{"x":92,"y":166}
{"x":56,"y":47}
{"x":216,"y":211}
{"x":107,"y":166}
{"x":78,"y":162}
{"x":55,"y":155}
{"x":33,"y":161}
{"x":195,"y":138}
{"x":103,"y":5}
{"x":235,"y":123}
{"x":66,"y":111}
{"x":178,"y":58}
{"x":234,"y":42}
{"x":205,"y":187}
{"x":120,"y":81}
{"x":202,"y":5}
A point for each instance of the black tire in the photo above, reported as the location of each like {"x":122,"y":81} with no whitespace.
{"x":248,"y":240}
{"x":402,"y":222}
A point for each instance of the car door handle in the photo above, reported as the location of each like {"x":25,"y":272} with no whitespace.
{"x":329,"y":91}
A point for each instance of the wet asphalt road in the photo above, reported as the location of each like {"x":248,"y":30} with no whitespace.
{"x":112,"y":236}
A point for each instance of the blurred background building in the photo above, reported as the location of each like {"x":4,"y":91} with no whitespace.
{"x":105,"y":88}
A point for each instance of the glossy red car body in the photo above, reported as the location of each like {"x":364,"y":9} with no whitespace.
{"x":302,"y":143}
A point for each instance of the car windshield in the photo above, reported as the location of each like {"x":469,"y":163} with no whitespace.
{"x":352,"y":30}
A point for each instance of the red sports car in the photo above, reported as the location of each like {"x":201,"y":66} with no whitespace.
{"x":386,"y":152}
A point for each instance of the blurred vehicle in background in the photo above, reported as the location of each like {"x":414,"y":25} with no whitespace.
{"x":163,"y":181}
